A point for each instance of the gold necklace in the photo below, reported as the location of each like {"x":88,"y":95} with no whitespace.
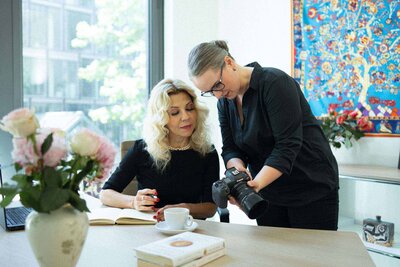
{"x":179,"y":148}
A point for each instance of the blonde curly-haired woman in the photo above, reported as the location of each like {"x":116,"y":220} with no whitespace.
{"x":174,"y":161}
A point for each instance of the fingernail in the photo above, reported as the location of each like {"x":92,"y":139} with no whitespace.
{"x":157,"y":199}
{"x":154,"y":217}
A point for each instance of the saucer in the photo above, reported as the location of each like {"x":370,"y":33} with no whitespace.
{"x":163,"y":228}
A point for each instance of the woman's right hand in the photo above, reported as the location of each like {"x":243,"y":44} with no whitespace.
{"x":145,"y":200}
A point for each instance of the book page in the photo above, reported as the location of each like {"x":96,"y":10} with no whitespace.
{"x":132,"y":216}
{"x":103,"y":216}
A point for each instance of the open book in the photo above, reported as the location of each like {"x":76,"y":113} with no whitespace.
{"x":185,"y":248}
{"x":108,"y":215}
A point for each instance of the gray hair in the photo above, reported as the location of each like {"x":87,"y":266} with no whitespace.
{"x":207,"y":55}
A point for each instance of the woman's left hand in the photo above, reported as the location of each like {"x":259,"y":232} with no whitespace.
{"x":255,"y":185}
{"x":160,"y":213}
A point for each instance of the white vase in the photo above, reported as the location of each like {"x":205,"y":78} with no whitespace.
{"x":57,"y":238}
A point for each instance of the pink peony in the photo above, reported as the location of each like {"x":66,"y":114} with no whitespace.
{"x":23,"y":152}
{"x":25,"y":155}
{"x":58,"y":149}
{"x":105,"y":155}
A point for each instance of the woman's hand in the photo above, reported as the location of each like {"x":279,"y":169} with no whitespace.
{"x":145,"y":200}
{"x":239,"y":165}
{"x":255,"y":185}
{"x":160,"y":213}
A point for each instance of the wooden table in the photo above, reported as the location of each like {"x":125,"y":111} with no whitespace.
{"x":246,"y":246}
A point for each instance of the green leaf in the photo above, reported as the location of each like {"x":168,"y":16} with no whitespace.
{"x":77,"y":202}
{"x":336,"y":144}
{"x":21,"y":179}
{"x":31,"y":198}
{"x":46,"y":144}
{"x":87,"y":169}
{"x":347,"y":143}
{"x":53,"y":198}
{"x":17,"y":167}
{"x":8,"y":192}
{"x":348,"y":134}
{"x":52,"y":178}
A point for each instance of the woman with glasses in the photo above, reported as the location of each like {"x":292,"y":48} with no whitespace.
{"x":268,"y":127}
{"x":175,"y":164}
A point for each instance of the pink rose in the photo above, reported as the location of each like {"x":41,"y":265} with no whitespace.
{"x":340,"y":119}
{"x":20,"y":122}
{"x":353,"y":114}
{"x":331,"y":110}
{"x":85,"y":143}
{"x":364,"y":124}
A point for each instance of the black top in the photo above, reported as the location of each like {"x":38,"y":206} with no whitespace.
{"x":279,"y":130}
{"x":187,"y":178}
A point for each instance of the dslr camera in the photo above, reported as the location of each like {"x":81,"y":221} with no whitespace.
{"x":235,"y":185}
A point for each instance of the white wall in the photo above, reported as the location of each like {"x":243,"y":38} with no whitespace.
{"x":256,"y":30}
{"x":260,"y":30}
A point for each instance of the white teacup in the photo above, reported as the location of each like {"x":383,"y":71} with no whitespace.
{"x":178,"y":218}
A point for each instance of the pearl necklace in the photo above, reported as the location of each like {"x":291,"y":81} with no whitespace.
{"x":179,"y":148}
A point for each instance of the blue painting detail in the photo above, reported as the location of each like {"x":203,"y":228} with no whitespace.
{"x":347,"y":57}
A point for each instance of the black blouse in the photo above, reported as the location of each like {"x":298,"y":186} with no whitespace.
{"x":279,"y":130}
{"x":187,"y":178}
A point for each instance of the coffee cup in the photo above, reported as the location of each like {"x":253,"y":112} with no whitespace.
{"x":178,"y":218}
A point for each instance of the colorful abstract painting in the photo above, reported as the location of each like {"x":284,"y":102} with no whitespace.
{"x":347,"y":57}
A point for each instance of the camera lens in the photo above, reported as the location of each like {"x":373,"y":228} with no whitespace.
{"x":251,"y":202}
{"x":254,"y":205}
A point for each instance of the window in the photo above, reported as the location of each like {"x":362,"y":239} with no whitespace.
{"x":88,"y":63}
{"x":87,"y":56}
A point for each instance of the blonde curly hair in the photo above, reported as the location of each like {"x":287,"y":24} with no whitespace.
{"x":155,"y":132}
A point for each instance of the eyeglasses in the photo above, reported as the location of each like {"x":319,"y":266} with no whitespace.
{"x":217,"y":87}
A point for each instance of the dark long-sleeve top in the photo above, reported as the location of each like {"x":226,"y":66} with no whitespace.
{"x":188,"y":178}
{"x":279,"y":130}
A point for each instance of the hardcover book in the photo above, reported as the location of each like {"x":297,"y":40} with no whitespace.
{"x":178,"y":250}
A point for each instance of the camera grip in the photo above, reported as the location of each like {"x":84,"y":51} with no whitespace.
{"x":220,"y":192}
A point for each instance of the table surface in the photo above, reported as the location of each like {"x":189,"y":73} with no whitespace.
{"x":247,"y":245}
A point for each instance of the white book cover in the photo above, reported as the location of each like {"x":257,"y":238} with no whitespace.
{"x":179,"y":249}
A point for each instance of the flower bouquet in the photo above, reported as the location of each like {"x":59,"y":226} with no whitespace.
{"x":341,"y":128}
{"x":48,"y":177}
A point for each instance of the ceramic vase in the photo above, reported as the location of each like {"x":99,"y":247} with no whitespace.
{"x":57,"y":238}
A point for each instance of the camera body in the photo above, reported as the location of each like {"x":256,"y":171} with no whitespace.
{"x":235,"y":185}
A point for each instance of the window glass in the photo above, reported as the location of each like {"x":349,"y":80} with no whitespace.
{"x":86,"y":61}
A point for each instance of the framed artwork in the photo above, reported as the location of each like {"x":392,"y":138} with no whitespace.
{"x":346,"y":56}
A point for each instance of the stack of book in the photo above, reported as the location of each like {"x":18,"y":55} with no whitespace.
{"x":186,"y":249}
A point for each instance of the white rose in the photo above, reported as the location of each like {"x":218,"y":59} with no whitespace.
{"x":20,"y":122}
{"x":85,"y":143}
